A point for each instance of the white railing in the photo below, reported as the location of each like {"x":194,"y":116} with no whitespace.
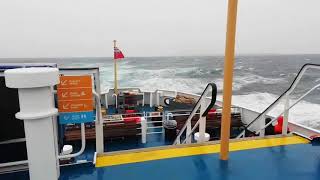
{"x":204,"y":109}
{"x":83,"y":139}
{"x":285,"y":96}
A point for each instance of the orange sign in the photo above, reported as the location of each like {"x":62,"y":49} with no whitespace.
{"x":75,"y":94}
{"x":75,"y":81}
{"x":75,"y":105}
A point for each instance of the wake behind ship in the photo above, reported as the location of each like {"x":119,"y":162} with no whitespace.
{"x":57,"y":123}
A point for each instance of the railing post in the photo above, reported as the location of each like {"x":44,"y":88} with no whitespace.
{"x":116,"y":99}
{"x":151,"y":99}
{"x":143,"y":99}
{"x":262,"y":124}
{"x":144,"y":130}
{"x":158,"y":93}
{"x":202,"y":123}
{"x":188,"y":132}
{"x":178,"y":141}
{"x":286,"y":115}
{"x":36,"y":100}
{"x":99,"y":125}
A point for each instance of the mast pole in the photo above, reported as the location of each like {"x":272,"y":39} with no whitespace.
{"x":228,"y":78}
{"x":115,"y":70}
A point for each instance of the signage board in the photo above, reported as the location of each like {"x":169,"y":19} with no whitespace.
{"x":75,"y":100}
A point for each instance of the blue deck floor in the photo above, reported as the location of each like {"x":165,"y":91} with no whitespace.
{"x":153,"y":140}
{"x":117,"y":144}
{"x":292,"y":162}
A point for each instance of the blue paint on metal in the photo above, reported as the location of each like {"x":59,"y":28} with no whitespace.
{"x":76,"y":117}
{"x":294,"y":162}
{"x":111,"y":110}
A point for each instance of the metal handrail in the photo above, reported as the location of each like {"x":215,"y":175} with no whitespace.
{"x":196,"y":107}
{"x":285,"y":94}
{"x":297,"y":101}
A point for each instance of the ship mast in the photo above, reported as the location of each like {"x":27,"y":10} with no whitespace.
{"x":228,"y":78}
{"x":115,"y":70}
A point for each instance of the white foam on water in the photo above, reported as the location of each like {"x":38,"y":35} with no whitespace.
{"x":149,"y":80}
{"x":303,"y":113}
{"x":153,"y":79}
{"x":177,"y":84}
{"x":238,"y":67}
{"x":251,"y":78}
{"x":241,"y":81}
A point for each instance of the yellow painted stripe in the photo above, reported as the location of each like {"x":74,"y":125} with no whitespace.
{"x":133,"y":157}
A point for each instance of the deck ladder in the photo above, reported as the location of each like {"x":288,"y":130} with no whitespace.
{"x":187,"y":129}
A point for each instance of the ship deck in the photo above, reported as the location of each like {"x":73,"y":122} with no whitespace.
{"x":268,"y":158}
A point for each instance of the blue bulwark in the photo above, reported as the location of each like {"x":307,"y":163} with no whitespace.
{"x":76,"y":117}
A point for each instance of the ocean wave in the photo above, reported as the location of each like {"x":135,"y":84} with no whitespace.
{"x":189,"y":78}
{"x":152,"y":84}
{"x":252,"y":78}
{"x":241,"y":81}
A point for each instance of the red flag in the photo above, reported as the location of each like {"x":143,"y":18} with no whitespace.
{"x":117,"y":53}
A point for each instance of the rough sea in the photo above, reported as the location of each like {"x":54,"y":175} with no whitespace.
{"x":258,"y":80}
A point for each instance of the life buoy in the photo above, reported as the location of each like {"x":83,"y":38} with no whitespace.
{"x":167,"y":100}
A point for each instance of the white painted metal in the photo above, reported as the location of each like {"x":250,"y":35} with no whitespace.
{"x":151,"y":97}
{"x":286,"y":96}
{"x":296,"y":102}
{"x":168,"y":116}
{"x":36,"y":109}
{"x":13,"y":141}
{"x":83,"y":145}
{"x":115,"y":99}
{"x":303,"y":130}
{"x":55,"y":131}
{"x":247,"y":115}
{"x":95,"y":158}
{"x":157,"y":98}
{"x":94,"y":72}
{"x":187,"y":125}
{"x":205,"y":138}
{"x":286,"y":115}
{"x":143,"y":130}
{"x":262,"y":123}
{"x":39,"y":76}
{"x":189,"y":132}
{"x":143,"y":99}
{"x":99,"y":125}
{"x":67,"y":149}
{"x":192,"y":130}
{"x":15,"y":163}
{"x":154,"y":127}
{"x":202,"y":121}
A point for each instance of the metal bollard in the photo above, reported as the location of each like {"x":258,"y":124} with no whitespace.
{"x":37,"y":110}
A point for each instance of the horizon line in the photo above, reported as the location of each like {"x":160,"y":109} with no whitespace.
{"x":219,"y":55}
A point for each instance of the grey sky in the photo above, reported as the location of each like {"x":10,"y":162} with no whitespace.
{"x":71,"y":28}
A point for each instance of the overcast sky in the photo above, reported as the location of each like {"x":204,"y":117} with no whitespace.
{"x":75,"y":28}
